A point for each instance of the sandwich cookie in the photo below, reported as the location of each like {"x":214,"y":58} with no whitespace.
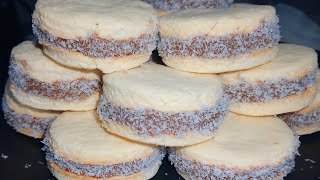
{"x":24,"y":119}
{"x":219,"y":40}
{"x":159,"y":105}
{"x":286,"y":84}
{"x":243,"y":148}
{"x":41,"y":83}
{"x":307,"y":120}
{"x":105,"y":34}
{"x":166,"y":6}
{"x":77,"y":147}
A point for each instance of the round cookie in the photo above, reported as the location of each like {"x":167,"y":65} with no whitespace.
{"x":24,"y":119}
{"x":219,"y":40}
{"x":105,"y":34}
{"x":307,"y":120}
{"x":159,"y":105}
{"x":243,"y":148}
{"x":164,"y":7}
{"x":286,"y":84}
{"x":77,"y":147}
{"x":41,"y":83}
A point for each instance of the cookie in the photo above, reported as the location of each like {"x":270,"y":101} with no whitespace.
{"x":219,"y":40}
{"x":307,"y":120}
{"x":77,"y":147}
{"x":159,"y":105}
{"x":286,"y":84}
{"x":243,"y":148}
{"x":39,"y":82}
{"x":105,"y":34}
{"x":24,"y":119}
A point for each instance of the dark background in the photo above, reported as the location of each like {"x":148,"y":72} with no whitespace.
{"x":299,"y":19}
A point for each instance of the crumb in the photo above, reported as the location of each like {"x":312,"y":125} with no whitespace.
{"x":301,"y":169}
{"x":39,"y":162}
{"x":310,"y":160}
{"x":166,"y":174}
{"x":311,"y":167}
{"x":27,"y":165}
{"x":4,"y":156}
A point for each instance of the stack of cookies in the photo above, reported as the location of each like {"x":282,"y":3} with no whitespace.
{"x":213,"y":103}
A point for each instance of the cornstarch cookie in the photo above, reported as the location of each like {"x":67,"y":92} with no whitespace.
{"x":307,"y":120}
{"x":77,"y":147}
{"x":219,"y":40}
{"x":41,"y":83}
{"x":24,"y":119}
{"x":105,"y":34}
{"x":243,"y":148}
{"x":286,"y":84}
{"x":166,"y":6}
{"x":159,"y":105}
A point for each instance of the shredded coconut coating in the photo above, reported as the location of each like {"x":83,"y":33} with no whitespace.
{"x":266,"y":91}
{"x":231,"y":45}
{"x":196,"y":170}
{"x":172,"y":5}
{"x":59,"y":90}
{"x":105,"y":171}
{"x":297,"y":120}
{"x":150,"y":122}
{"x":98,"y":47}
{"x":26,"y":121}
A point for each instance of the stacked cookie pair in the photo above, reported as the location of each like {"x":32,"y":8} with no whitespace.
{"x":261,"y":79}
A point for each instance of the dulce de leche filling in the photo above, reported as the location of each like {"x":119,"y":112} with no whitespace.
{"x":17,"y":120}
{"x":150,"y":122}
{"x":105,"y":171}
{"x":266,"y":91}
{"x":171,"y":5}
{"x":98,"y":47}
{"x":295,"y":120}
{"x":230,"y":45}
{"x":77,"y":89}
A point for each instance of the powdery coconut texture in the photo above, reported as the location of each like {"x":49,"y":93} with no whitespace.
{"x":171,"y":5}
{"x":297,"y":120}
{"x":98,"y":47}
{"x":60,"y":90}
{"x":230,"y":45}
{"x":150,"y":122}
{"x":266,"y":91}
{"x":17,"y":120}
{"x":196,"y":170}
{"x":107,"y":171}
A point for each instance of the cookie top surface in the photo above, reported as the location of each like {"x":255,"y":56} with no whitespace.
{"x":79,"y":137}
{"x":245,"y":142}
{"x":28,"y":56}
{"x":215,"y":22}
{"x":17,"y":107}
{"x":162,"y":88}
{"x":70,"y":19}
{"x":291,"y":62}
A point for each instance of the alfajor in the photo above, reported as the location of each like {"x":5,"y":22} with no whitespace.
{"x":219,"y":40}
{"x":286,"y":84}
{"x":307,"y":120}
{"x":159,"y":105}
{"x":77,"y":147}
{"x":24,"y":119}
{"x":243,"y":148}
{"x":105,"y":34}
{"x":167,"y":6}
{"x":40,"y":82}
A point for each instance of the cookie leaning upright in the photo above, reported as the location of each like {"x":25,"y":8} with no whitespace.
{"x":40,"y":82}
{"x":159,"y":105}
{"x":77,"y":147}
{"x":105,"y":34}
{"x":286,"y":84}
{"x":167,"y":6}
{"x":219,"y":40}
{"x":244,"y":148}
